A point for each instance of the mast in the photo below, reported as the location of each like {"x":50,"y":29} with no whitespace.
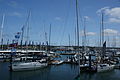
{"x":75,"y":39}
{"x":1,"y":32}
{"x":77,"y":22}
{"x":77,"y":26}
{"x":22,"y":36}
{"x":49,"y":37}
{"x":102,"y":27}
{"x":7,"y":43}
{"x":108,"y":41}
{"x":75,"y":35}
{"x":102,"y":34}
{"x":69,"y":39}
{"x":84,"y":40}
{"x":46,"y":42}
{"x":28,"y":27}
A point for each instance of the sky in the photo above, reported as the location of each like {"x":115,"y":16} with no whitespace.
{"x":62,"y":17}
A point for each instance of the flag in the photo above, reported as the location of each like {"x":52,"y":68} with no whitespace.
{"x":17,"y":36}
{"x":36,"y":43}
{"x":25,"y":43}
{"x":104,"y":49}
{"x":43,"y":43}
{"x":46,"y":42}
{"x":2,"y":41}
{"x":13,"y":45}
{"x":104,"y":44}
{"x":7,"y":41}
{"x":29,"y":43}
{"x":39,"y":43}
{"x":32,"y":43}
{"x":22,"y":28}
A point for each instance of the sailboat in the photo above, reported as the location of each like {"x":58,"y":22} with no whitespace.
{"x":104,"y":67}
{"x":27,"y":65}
{"x":77,"y":37}
{"x":101,"y":67}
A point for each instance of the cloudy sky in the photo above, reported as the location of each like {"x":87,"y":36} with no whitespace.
{"x":61,"y":15}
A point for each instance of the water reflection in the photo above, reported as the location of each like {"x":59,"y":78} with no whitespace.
{"x":55,"y":72}
{"x":31,"y":75}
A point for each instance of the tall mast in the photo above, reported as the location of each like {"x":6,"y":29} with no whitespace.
{"x":102,"y":27}
{"x":102,"y":30}
{"x":77,"y":25}
{"x":28,"y":27}
{"x":69,"y":39}
{"x":22,"y":36}
{"x":1,"y":32}
{"x":108,"y":41}
{"x":84,"y":38}
{"x":49,"y":37}
{"x":75,"y":35}
{"x":46,"y":42}
{"x":77,"y":22}
{"x":100,"y":34}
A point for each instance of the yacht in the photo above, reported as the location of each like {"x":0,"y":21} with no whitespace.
{"x":19,"y":66}
{"x":104,"y":67}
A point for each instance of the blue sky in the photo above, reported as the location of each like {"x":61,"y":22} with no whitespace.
{"x":61,"y":15}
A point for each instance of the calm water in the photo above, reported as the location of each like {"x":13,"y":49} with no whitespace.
{"x":59,"y":72}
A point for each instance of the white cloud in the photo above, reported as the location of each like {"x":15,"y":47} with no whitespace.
{"x":110,"y":32}
{"x":114,"y":20}
{"x":88,"y":33}
{"x":112,"y":13}
{"x":104,"y":9}
{"x":87,"y":18}
{"x":58,"y":18}
{"x":16,"y":14}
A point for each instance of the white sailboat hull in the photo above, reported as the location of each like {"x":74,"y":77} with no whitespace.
{"x":104,"y":67}
{"x":27,"y":66}
{"x":57,"y":62}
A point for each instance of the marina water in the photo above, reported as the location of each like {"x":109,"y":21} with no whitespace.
{"x":55,"y":72}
